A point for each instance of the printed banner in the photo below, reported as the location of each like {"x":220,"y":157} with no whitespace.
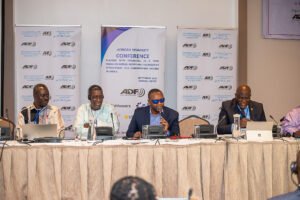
{"x":132,"y":63}
{"x":206,"y":71}
{"x":281,"y":19}
{"x":49,"y":55}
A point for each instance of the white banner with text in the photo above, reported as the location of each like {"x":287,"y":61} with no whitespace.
{"x":48,"y":55}
{"x":206,"y":71}
{"x":132,"y":63}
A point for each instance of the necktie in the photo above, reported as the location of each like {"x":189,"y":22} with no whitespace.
{"x":243,"y":113}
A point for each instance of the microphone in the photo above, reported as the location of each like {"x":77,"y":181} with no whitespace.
{"x":275,"y":130}
{"x":112,"y":119}
{"x":190,"y":193}
{"x":276,"y":123}
{"x":219,"y":122}
{"x":6,"y":113}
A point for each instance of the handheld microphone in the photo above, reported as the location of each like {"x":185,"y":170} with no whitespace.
{"x":112,"y":119}
{"x":160,"y":109}
{"x":219,"y":122}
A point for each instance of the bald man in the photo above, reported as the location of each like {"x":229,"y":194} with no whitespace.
{"x":242,"y":104}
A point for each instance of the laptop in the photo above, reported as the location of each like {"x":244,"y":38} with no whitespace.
{"x":259,"y":131}
{"x":33,"y":131}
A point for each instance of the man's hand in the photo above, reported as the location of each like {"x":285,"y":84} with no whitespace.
{"x":297,"y":134}
{"x":165,"y":124}
{"x":137,"y":135}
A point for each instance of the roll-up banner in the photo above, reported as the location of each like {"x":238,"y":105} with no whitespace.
{"x":206,"y":71}
{"x":49,"y":55}
{"x":132,"y":63}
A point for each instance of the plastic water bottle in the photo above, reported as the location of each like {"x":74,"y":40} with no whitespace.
{"x":236,"y":127}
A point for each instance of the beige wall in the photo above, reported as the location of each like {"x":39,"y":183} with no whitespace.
{"x":273,"y":66}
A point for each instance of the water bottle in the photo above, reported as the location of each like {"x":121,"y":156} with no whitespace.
{"x":145,"y":131}
{"x":90,"y":131}
{"x":236,"y":127}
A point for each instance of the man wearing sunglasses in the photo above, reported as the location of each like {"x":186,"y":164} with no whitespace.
{"x":242,"y":104}
{"x":154,"y":114}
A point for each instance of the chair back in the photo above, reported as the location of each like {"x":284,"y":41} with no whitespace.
{"x":187,"y":124}
{"x":7,"y":124}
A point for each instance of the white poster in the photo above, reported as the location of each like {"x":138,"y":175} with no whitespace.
{"x":281,"y":19}
{"x":206,"y":71}
{"x":48,"y":55}
{"x":132,"y":63}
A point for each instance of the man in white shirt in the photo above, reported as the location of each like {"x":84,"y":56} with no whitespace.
{"x":96,"y":112}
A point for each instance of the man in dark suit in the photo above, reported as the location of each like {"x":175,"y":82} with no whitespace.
{"x":154,"y":114}
{"x":242,"y":104}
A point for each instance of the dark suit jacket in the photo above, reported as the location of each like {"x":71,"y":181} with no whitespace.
{"x":141,"y":117}
{"x":229,"y":108}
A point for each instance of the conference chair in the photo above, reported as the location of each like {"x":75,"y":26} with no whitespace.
{"x":187,"y":124}
{"x":8,"y":125}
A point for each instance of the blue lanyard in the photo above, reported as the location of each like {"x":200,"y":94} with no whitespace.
{"x":37,"y":116}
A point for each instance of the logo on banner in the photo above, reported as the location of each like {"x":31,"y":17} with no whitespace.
{"x":206,"y":116}
{"x":49,"y":77}
{"x":68,"y":108}
{"x":208,"y":78}
{"x":140,"y":105}
{"x":68,"y":67}
{"x":189,"y":45}
{"x":296,"y":17}
{"x":190,"y":67}
{"x":27,"y":86}
{"x":225,"y":46}
{"x":68,"y":44}
{"x":189,"y":108}
{"x":190,"y":87}
{"x":206,"y":54}
{"x":72,"y":87}
{"x":31,"y":44}
{"x":47,"y":53}
{"x":206,"y":97}
{"x":47,"y":33}
{"x":29,"y":67}
{"x":226,"y":68}
{"x":225,"y":87}
{"x":133,"y":92}
{"x":206,"y":35}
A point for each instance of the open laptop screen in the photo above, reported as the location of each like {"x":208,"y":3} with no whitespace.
{"x":32,"y":131}
{"x":259,"y":131}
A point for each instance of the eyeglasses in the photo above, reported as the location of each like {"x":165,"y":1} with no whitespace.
{"x":156,"y":101}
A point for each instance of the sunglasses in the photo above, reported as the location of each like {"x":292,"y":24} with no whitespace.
{"x":156,"y":101}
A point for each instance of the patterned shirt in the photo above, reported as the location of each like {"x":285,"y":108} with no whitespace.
{"x":47,"y":115}
{"x":291,"y":122}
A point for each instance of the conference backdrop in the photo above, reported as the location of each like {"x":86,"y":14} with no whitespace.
{"x":206,"y":71}
{"x":49,"y":55}
{"x":132,"y":63}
